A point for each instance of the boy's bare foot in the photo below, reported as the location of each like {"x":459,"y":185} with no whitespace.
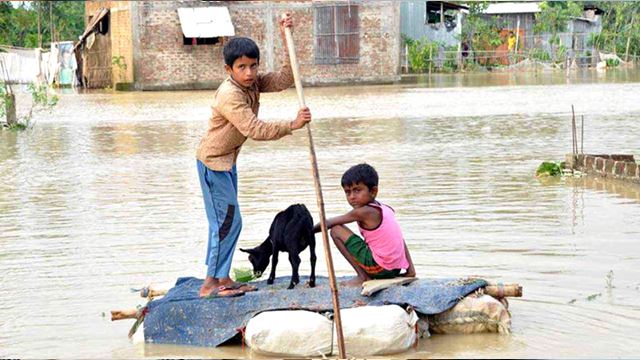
{"x":208,"y":286}
{"x":353,"y":282}
{"x":228,"y":283}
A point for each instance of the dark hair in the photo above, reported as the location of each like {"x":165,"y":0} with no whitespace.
{"x":239,"y":47}
{"x":361,"y":173}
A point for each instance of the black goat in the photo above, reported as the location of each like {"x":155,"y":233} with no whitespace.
{"x":291,"y":231}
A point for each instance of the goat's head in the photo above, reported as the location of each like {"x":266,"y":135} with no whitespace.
{"x":258,"y":259}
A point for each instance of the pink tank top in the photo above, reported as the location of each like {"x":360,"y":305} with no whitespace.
{"x":386,"y":241}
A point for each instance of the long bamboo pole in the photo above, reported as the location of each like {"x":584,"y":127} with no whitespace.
{"x":319,"y":198}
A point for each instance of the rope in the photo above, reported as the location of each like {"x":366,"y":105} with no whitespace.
{"x":243,"y":333}
{"x":11,"y":47}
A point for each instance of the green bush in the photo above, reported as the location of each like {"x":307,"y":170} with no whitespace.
{"x":41,"y":100}
{"x":549,"y":169}
{"x":612,"y":62}
{"x":421,"y":53}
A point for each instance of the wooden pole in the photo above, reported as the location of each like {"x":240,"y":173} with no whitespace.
{"x":51,"y":19}
{"x":515,"y":49}
{"x":430,"y":58}
{"x":124,"y":314}
{"x":38,"y":5}
{"x":10,"y":100}
{"x":503,"y":290}
{"x":626,"y":53}
{"x":320,"y":200}
{"x":582,"y":136}
{"x":574,"y":141}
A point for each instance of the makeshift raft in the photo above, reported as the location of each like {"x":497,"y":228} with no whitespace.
{"x":182,"y":317}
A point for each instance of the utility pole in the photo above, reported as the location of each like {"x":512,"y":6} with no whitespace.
{"x":51,"y":18}
{"x":38,"y":5}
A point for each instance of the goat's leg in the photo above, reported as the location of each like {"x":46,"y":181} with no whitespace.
{"x":274,"y":262}
{"x":312,"y":251}
{"x":294,"y":258}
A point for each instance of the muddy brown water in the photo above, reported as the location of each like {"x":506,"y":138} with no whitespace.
{"x":102,"y":195}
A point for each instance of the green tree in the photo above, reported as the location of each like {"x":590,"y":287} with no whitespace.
{"x":480,"y":32}
{"x":19,"y":25}
{"x":620,"y":27}
{"x":5,"y":22}
{"x":553,"y":18}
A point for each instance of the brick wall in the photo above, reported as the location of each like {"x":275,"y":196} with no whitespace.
{"x":163,"y":62}
{"x":121,"y":41}
{"x":621,"y":167}
{"x":118,"y":45}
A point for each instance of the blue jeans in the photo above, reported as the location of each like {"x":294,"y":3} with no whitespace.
{"x":220,"y":193}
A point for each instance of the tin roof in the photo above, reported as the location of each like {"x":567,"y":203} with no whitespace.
{"x":513,"y":8}
{"x":206,"y":22}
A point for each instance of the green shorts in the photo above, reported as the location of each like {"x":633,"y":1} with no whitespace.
{"x":362,"y":255}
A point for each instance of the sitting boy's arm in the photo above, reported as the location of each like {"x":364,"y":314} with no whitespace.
{"x":411,"y":271}
{"x":282,"y":79}
{"x":351,"y":216}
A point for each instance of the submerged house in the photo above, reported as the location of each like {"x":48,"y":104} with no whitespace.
{"x":434,"y":21}
{"x":520,"y":18}
{"x":438,"y":21}
{"x":164,"y":45}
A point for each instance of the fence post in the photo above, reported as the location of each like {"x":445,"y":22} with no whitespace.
{"x":430,"y":58}
{"x":10,"y":107}
{"x":406,"y":57}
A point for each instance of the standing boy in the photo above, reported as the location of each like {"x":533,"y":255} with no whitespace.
{"x":234,"y":119}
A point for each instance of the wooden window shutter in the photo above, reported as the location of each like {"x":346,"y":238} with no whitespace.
{"x":337,"y":30}
{"x":347,"y":34}
{"x":325,"y":35}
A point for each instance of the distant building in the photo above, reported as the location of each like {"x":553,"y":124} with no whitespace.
{"x":434,"y":21}
{"x":520,"y":18}
{"x":439,"y":21}
{"x":156,"y":45}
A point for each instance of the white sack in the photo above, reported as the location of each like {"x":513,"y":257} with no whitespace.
{"x":367,"y":330}
{"x":289,"y":333}
{"x":377,"y":330}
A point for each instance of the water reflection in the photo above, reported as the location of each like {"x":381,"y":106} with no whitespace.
{"x":94,"y":205}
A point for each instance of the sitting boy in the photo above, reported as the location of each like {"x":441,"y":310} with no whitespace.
{"x":234,"y":118}
{"x":382,"y":254}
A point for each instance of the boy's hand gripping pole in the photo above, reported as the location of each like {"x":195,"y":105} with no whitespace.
{"x":319,"y":198}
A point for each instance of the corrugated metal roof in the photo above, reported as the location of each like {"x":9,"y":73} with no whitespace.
{"x":97,"y":16}
{"x":513,"y":8}
{"x":206,"y":22}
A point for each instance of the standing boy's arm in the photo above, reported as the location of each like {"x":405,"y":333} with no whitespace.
{"x":283,"y":79}
{"x":236,"y":110}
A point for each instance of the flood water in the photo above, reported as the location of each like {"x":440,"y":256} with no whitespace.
{"x":102,"y":195}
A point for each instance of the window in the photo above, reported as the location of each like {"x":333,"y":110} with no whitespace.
{"x":434,"y":14}
{"x":200,"y":41}
{"x":337,"y":34}
{"x":103,"y":25}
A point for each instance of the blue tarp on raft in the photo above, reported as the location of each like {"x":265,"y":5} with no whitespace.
{"x":181,"y":317}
